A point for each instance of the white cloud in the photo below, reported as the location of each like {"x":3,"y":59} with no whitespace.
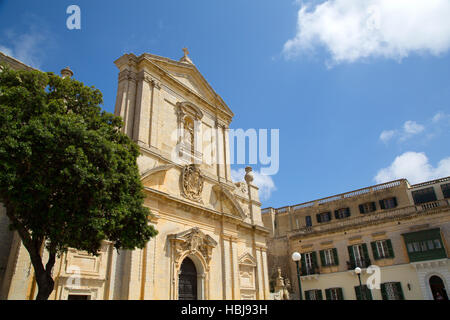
{"x":410,"y":128}
{"x":387,"y":135}
{"x":263,"y":182}
{"x":415,"y":167}
{"x":438,"y":117}
{"x":353,"y":30}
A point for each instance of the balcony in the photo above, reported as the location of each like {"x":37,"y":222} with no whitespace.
{"x":361,"y":263}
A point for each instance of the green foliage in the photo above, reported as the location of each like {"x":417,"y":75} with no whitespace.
{"x":67,"y":172}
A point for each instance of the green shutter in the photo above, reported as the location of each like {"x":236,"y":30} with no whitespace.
{"x":318,"y":218}
{"x":383,"y":291}
{"x":395,"y":201}
{"x":390,"y":249}
{"x":319,"y":294}
{"x":358,"y":293}
{"x":374,"y":206}
{"x":374,"y":250}
{"x":322,"y":257}
{"x":328,"y":294}
{"x":366,"y":253}
{"x":368,"y":293}
{"x":307,"y":296}
{"x":336,"y":215}
{"x":351,"y":254}
{"x":361,"y":208}
{"x":340,"y":294}
{"x":336,"y":258}
{"x":314,"y":261}
{"x":382,"y":204}
{"x":400,"y":290}
{"x":303,"y":265}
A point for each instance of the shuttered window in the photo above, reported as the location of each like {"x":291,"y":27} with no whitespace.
{"x":392,"y":291}
{"x":323,"y":217}
{"x":424,"y":245}
{"x":308,"y":221}
{"x":334,"y":294}
{"x":363,"y":293}
{"x":446,"y":190}
{"x":388,"y":203}
{"x":314,"y":294}
{"x":424,"y":195}
{"x":367,"y":207}
{"x":342,"y":213}
{"x":329,"y":257}
{"x":382,"y":249}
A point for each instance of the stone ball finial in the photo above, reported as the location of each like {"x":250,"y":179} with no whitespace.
{"x":66,"y":72}
{"x":248,"y":175}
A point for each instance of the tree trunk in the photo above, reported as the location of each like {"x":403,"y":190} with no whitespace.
{"x":45,"y":286}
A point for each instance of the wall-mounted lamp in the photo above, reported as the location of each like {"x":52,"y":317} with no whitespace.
{"x":409,"y":286}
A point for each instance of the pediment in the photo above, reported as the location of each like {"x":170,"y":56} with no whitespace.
{"x":188,"y":76}
{"x":247,"y":259}
{"x":194,"y":233}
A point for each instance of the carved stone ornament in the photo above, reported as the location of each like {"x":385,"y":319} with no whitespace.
{"x":192,"y":182}
{"x":192,"y":241}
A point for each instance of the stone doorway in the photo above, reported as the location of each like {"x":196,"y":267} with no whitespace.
{"x":438,"y":288}
{"x":187,"y":281}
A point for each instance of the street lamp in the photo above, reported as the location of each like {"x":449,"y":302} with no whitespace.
{"x":296,"y":257}
{"x":358,"y":272}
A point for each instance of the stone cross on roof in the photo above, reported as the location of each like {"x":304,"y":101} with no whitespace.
{"x":185,"y":58}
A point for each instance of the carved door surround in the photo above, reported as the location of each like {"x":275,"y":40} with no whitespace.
{"x":197,"y":246}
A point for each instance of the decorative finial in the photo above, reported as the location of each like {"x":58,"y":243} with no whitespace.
{"x":248,"y":175}
{"x":186,"y":58}
{"x":66,"y":72}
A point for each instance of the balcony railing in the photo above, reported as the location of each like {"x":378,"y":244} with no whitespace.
{"x":361,"y":263}
{"x":375,"y":216}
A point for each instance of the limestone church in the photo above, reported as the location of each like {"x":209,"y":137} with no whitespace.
{"x":211,"y":242}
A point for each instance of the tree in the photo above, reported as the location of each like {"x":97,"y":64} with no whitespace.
{"x":68,"y":175}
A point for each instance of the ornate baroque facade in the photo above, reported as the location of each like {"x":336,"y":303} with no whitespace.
{"x":211,"y":242}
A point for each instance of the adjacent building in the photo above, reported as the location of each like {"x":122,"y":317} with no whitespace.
{"x":401,"y":228}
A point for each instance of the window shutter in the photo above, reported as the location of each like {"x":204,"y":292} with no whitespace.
{"x":400,"y":291}
{"x":314,"y":261}
{"x":319,"y":295}
{"x":358,"y":293}
{"x":328,"y":294}
{"x":318,"y":217}
{"x":307,"y":296}
{"x":347,"y":212}
{"x":336,"y":214}
{"x":365,"y":252}
{"x":361,"y":208}
{"x":383,"y":291}
{"x":303,"y":266}
{"x":322,"y":257}
{"x":374,"y":206}
{"x":374,"y":250}
{"x":395,"y":201}
{"x":390,"y":249}
{"x":368,"y":293}
{"x":340,"y":294}
{"x":329,"y":215}
{"x":351,"y":254}
{"x":382,"y":204}
{"x":335,"y":256}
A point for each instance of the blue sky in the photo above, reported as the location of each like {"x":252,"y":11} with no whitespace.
{"x":358,"y":96}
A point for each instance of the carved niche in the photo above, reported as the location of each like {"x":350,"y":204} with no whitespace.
{"x":192,"y":182}
{"x":192,"y":241}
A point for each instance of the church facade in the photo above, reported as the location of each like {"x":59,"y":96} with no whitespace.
{"x":211,"y":242}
